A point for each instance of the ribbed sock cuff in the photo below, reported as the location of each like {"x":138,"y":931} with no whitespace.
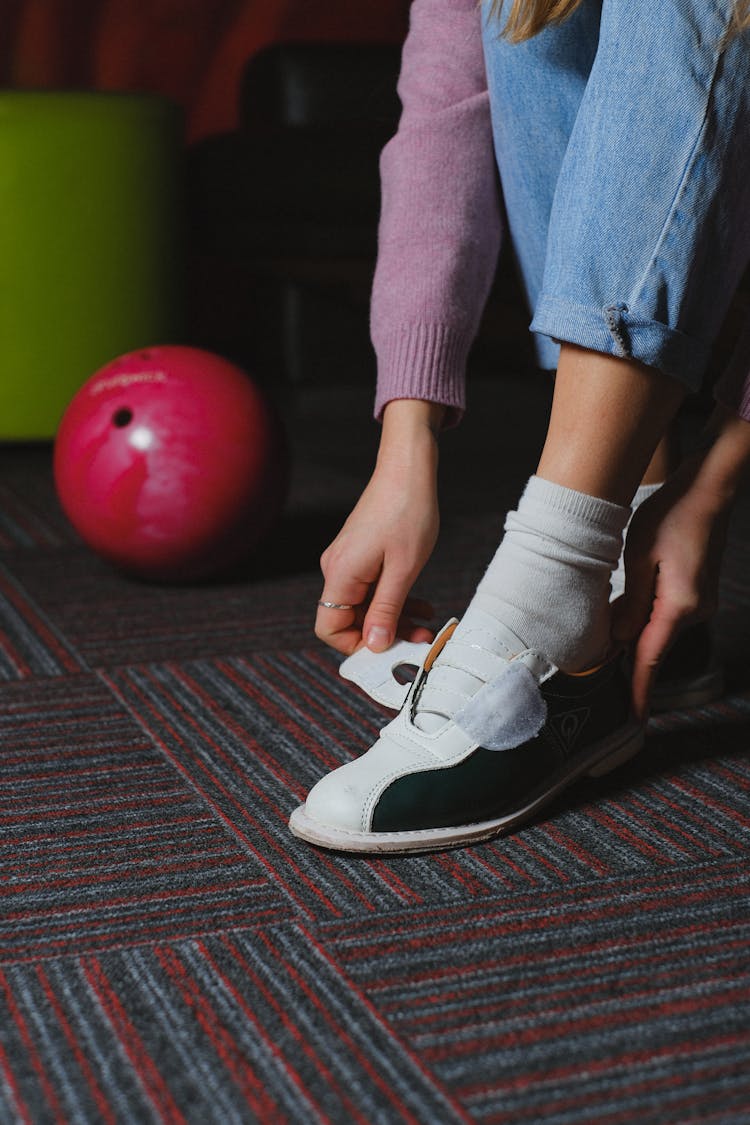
{"x":543,"y":497}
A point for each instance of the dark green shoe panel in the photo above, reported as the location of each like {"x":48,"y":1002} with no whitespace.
{"x":581,"y":712}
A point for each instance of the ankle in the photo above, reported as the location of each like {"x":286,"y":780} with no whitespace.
{"x":549,"y":580}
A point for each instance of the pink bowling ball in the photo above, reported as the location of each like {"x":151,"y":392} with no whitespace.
{"x":171,"y":463}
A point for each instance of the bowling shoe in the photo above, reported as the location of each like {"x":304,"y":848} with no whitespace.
{"x":487,"y":734}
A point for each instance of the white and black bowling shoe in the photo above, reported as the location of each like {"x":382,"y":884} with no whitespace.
{"x":488,"y":733}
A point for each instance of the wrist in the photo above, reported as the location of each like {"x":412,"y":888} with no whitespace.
{"x":409,"y":433}
{"x":413,"y":414}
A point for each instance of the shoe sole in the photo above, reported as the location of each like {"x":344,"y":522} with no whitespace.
{"x":605,"y":757}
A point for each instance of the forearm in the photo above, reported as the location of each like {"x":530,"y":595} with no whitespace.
{"x":722,"y":468}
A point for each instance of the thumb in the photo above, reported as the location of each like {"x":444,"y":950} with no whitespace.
{"x":650,"y":650}
{"x":631,"y":612}
{"x":381,"y":620}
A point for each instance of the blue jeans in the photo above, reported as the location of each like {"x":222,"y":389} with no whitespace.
{"x":622,"y":138}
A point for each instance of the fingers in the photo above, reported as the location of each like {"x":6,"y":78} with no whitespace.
{"x":631,"y":617}
{"x":631,"y":612}
{"x":652,"y":646}
{"x":348,"y":629}
{"x":674,"y":606}
{"x":386,"y":609}
{"x":342,"y":628}
{"x":652,"y":609}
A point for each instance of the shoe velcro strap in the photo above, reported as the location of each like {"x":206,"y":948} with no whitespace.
{"x":472,"y":659}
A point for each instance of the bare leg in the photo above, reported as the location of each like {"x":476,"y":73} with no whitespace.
{"x":665,"y":460}
{"x":608,"y":417}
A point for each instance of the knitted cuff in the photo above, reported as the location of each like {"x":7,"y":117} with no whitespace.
{"x":423,"y":361}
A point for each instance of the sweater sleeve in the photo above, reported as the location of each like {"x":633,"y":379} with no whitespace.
{"x":440,"y":223}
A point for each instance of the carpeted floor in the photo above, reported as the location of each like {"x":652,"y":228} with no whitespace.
{"x":169,"y":953}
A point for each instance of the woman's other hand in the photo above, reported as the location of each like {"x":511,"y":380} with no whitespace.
{"x":674,"y":549}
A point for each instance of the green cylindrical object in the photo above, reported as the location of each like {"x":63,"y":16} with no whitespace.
{"x":90,"y":202}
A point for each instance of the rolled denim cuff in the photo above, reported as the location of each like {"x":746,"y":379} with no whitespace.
{"x":616,"y":330}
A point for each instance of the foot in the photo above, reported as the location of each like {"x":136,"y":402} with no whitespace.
{"x":489,"y":733}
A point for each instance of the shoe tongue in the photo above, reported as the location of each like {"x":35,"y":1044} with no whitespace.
{"x":452,"y":685}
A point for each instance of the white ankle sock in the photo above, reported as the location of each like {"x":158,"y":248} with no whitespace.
{"x":617,"y":581}
{"x":549,"y":579}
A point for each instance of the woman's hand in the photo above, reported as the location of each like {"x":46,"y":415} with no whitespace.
{"x":674,"y":549}
{"x":672,"y":559}
{"x":376,"y":557}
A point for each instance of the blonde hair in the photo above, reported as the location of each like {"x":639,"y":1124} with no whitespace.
{"x":528,"y":17}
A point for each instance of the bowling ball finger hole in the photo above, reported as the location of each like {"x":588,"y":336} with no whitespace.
{"x":122,"y":417}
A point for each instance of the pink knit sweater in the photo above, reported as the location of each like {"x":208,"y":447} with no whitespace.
{"x":441,"y":224}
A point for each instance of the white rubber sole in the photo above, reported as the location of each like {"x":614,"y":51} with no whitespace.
{"x":606,"y":756}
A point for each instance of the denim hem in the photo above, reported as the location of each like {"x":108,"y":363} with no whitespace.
{"x":615,"y":330}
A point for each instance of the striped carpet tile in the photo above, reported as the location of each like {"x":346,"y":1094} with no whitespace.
{"x":25,"y":524}
{"x":102,"y":842}
{"x":31,"y":643}
{"x":111,"y":620}
{"x":620,"y":1001}
{"x":30,"y":514}
{"x":241,"y":1027}
{"x":223,"y":726}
